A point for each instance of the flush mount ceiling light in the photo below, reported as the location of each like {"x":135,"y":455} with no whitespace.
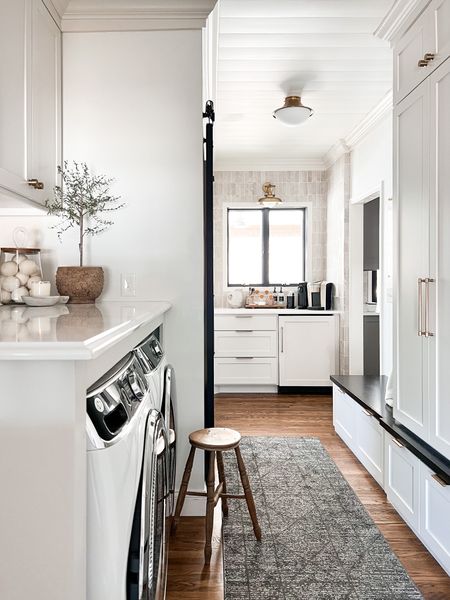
{"x":269,"y":198}
{"x":293,"y":112}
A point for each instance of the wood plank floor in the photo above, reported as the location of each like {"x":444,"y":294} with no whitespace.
{"x":269,"y":414}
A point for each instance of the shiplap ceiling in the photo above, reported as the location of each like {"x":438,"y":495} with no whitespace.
{"x":323,"y":50}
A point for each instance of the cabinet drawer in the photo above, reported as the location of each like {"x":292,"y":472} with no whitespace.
{"x":246,"y":371}
{"x":245,"y":343}
{"x":434,"y":517}
{"x":345,"y":417}
{"x":402,"y":481}
{"x":370,"y":440}
{"x":245,"y":322}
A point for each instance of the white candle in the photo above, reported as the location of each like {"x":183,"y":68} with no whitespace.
{"x":40,"y":288}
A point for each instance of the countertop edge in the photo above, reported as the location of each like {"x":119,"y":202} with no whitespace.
{"x":87,"y":349}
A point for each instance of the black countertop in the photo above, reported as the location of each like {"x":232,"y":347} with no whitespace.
{"x":369,"y":391}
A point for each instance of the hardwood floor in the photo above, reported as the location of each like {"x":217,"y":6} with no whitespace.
{"x":270,"y":414}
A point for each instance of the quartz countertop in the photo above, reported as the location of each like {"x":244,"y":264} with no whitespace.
{"x":72,"y":331}
{"x":272,"y":311}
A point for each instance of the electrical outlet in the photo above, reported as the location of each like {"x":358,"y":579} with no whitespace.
{"x":128,"y":284}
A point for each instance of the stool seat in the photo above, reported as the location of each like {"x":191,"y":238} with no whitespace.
{"x":215,"y":438}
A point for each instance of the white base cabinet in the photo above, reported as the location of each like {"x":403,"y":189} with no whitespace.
{"x":420,"y":497}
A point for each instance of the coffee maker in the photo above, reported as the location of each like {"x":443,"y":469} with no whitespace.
{"x":320,"y":295}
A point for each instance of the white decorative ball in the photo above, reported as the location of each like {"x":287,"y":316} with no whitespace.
{"x":29,"y":267}
{"x":10,"y":283}
{"x":32,"y":280}
{"x":17,"y":294}
{"x":19,"y":258}
{"x":22,"y":278}
{"x":8,"y":268}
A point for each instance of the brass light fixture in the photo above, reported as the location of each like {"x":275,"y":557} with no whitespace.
{"x":269,"y":198}
{"x":293,"y":112}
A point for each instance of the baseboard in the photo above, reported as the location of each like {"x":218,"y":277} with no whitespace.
{"x":309,"y":390}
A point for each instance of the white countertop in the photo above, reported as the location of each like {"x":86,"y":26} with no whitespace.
{"x":72,"y":331}
{"x":272,"y":311}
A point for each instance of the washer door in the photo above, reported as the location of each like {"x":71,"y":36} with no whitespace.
{"x":147,"y":559}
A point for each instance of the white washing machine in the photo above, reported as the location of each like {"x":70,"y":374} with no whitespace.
{"x":129,"y":493}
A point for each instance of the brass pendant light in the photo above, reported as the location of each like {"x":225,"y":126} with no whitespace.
{"x":269,"y":198}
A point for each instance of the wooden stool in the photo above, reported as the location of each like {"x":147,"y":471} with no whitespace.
{"x":215,"y":441}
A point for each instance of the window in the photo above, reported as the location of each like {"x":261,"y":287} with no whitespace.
{"x":266,"y":246}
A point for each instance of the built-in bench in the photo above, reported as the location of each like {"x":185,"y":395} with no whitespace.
{"x":414,"y":476}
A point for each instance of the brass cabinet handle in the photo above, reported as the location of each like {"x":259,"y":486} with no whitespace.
{"x":420,"y":330}
{"x":429,"y":56}
{"x":244,"y":357}
{"x":36,"y":184}
{"x":439,"y":479}
{"x":427,"y":282}
{"x":243,"y":331}
{"x":422,"y":63}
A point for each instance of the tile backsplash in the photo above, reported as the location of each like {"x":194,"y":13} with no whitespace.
{"x":238,"y":187}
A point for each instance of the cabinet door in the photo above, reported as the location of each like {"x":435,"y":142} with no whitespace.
{"x":245,"y":371}
{"x":369,"y":447}
{"x":345,"y":417}
{"x":439,"y":289}
{"x":434,"y":516}
{"x":402,"y":480}
{"x":411,"y":48}
{"x":245,"y":343}
{"x":45,"y":107}
{"x":307,"y":350}
{"x":14,"y":21}
{"x":411,"y":172}
{"x":440,"y":15}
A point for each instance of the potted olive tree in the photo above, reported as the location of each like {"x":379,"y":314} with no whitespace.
{"x":82,"y":201}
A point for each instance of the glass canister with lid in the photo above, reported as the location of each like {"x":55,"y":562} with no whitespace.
{"x":19,"y":269}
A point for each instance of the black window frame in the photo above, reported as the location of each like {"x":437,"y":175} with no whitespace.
{"x":265,"y":246}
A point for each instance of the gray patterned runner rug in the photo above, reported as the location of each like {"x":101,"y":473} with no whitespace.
{"x":319,"y":542}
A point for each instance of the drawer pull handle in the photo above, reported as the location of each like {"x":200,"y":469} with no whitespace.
{"x":429,"y":56}
{"x":422,"y":63}
{"x":439,"y":479}
{"x":244,"y":357}
{"x":399,"y":444}
{"x":243,"y":316}
{"x":243,"y":331}
{"x":367,"y":412}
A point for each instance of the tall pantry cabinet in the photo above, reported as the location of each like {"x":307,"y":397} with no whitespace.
{"x":422,"y":212}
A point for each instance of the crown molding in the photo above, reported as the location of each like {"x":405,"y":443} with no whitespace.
{"x":137,"y":15}
{"x":400,"y":16}
{"x":370,"y":120}
{"x":335,"y":152}
{"x":57,"y":9}
{"x":270,"y":164}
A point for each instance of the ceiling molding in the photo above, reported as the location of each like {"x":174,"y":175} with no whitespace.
{"x":138,"y":15}
{"x":57,"y":9}
{"x":335,"y":152}
{"x":370,"y":120}
{"x":270,"y":164}
{"x":399,"y":18}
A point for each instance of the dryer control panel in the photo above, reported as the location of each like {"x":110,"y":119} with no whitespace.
{"x":115,"y":398}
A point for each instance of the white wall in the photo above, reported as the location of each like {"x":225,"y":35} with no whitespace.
{"x":371,"y":173}
{"x":133,"y":110}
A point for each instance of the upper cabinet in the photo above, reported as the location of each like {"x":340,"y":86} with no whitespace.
{"x":422,"y":49}
{"x":30,"y":99}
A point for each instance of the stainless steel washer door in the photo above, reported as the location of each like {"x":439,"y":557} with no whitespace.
{"x":147,"y":561}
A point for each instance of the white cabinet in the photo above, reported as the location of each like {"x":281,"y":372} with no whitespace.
{"x":308,"y":349}
{"x":439,"y":314}
{"x":402,"y":480}
{"x":370,"y":444}
{"x":246,"y":350}
{"x":361,"y":431}
{"x":422,"y":134}
{"x":422,"y":49}
{"x":30,"y":98}
{"x":412,"y":207}
{"x":435,"y":516}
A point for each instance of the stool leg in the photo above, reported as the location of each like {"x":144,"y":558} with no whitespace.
{"x":209,"y":507}
{"x":183,"y":490}
{"x":221,"y":470}
{"x":248,"y":493}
